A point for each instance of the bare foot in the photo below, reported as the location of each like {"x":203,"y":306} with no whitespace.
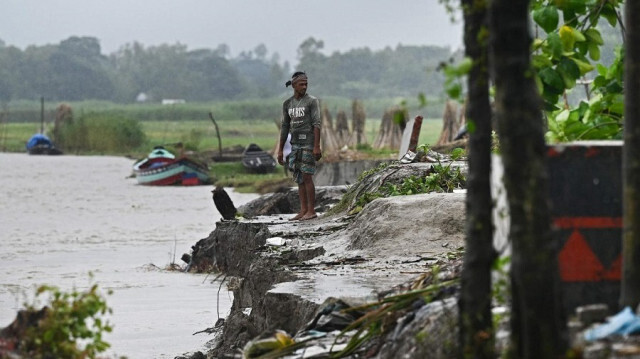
{"x":308,"y":216}
{"x":297,"y":217}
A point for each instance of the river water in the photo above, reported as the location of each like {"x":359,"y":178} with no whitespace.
{"x":74,"y":221}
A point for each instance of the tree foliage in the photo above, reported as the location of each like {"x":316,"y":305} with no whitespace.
{"x":75,"y":70}
{"x":568,"y":52}
{"x":577,"y":64}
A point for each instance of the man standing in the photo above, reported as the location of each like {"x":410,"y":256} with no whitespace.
{"x":301,"y":118}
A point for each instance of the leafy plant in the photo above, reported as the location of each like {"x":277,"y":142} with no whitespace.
{"x":599,"y":117}
{"x":566,"y":52}
{"x":454,"y":73}
{"x":72,"y":327}
{"x":570,"y":52}
{"x":440,"y":179}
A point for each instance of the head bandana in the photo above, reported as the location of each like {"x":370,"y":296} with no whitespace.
{"x":301,"y":76}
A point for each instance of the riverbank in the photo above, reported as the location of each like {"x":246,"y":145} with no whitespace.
{"x":374,"y":278}
{"x":284,"y":274}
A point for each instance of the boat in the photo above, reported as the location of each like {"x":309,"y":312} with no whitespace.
{"x":40,"y":144}
{"x":256,"y":160}
{"x":163,"y":168}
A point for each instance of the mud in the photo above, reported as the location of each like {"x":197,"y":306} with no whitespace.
{"x":352,"y":257}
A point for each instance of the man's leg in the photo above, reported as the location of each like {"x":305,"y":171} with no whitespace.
{"x":310,"y":191}
{"x":302,"y":193}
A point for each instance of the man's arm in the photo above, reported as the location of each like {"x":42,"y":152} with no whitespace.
{"x":284,"y":132}
{"x":317,"y":153}
{"x":316,"y":122}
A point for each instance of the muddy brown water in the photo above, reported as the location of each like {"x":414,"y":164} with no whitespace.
{"x":64,"y":217}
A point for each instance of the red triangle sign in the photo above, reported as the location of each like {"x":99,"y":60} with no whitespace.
{"x":577,"y":262}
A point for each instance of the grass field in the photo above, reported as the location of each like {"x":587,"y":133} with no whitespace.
{"x":201,"y":135}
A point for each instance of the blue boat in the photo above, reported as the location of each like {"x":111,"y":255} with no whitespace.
{"x":39,"y":144}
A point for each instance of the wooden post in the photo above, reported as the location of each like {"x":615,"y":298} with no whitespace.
{"x":218,"y":134}
{"x":42,"y":115}
{"x":415,"y":133}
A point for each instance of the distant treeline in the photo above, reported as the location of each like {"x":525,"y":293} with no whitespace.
{"x":76,"y":70}
{"x":231,"y":110}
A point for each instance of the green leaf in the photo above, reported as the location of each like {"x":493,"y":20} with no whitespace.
{"x":609,"y":13}
{"x":574,"y":129}
{"x":555,"y":45}
{"x":465,"y":66}
{"x":550,"y":101}
{"x":583,"y":66}
{"x":573,"y":6}
{"x":562,"y":117}
{"x":457,"y":153}
{"x":539,"y":61}
{"x":569,"y":72}
{"x":547,"y":18}
{"x":454,"y":90}
{"x":577,"y":35}
{"x":471,"y":126}
{"x":553,"y":80}
{"x":617,"y":108}
{"x":594,"y":36}
{"x":574,"y":116}
{"x":583,"y":47}
{"x":614,"y":87}
{"x":594,"y":51}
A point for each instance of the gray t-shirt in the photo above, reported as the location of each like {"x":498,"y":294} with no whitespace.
{"x":300,"y":117}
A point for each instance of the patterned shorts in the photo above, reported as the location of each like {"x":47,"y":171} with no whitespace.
{"x":301,"y":161}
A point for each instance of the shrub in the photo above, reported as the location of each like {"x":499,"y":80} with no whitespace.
{"x":72,"y":327}
{"x":101,"y":133}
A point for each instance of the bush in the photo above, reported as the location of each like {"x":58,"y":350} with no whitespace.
{"x":101,"y":133}
{"x":71,"y":328}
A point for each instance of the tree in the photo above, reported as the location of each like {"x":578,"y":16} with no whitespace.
{"x":538,"y":326}
{"x":630,"y":290}
{"x":568,"y":50}
{"x":476,"y":330}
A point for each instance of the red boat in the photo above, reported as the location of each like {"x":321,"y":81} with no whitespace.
{"x":162,"y":168}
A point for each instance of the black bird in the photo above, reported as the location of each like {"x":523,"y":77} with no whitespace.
{"x":223,"y":203}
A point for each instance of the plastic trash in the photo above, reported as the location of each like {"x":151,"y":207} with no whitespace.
{"x":408,"y":157}
{"x":276,"y":241}
{"x":623,"y":323}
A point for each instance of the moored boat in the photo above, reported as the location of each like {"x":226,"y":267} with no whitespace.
{"x":162,"y":168}
{"x":40,"y":144}
{"x":256,"y":160}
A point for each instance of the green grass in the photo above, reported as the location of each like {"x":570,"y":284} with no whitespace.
{"x":14,"y":136}
{"x":233,"y":174}
{"x":201,"y":135}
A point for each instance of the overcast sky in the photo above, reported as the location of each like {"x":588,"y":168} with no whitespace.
{"x":282,"y":25}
